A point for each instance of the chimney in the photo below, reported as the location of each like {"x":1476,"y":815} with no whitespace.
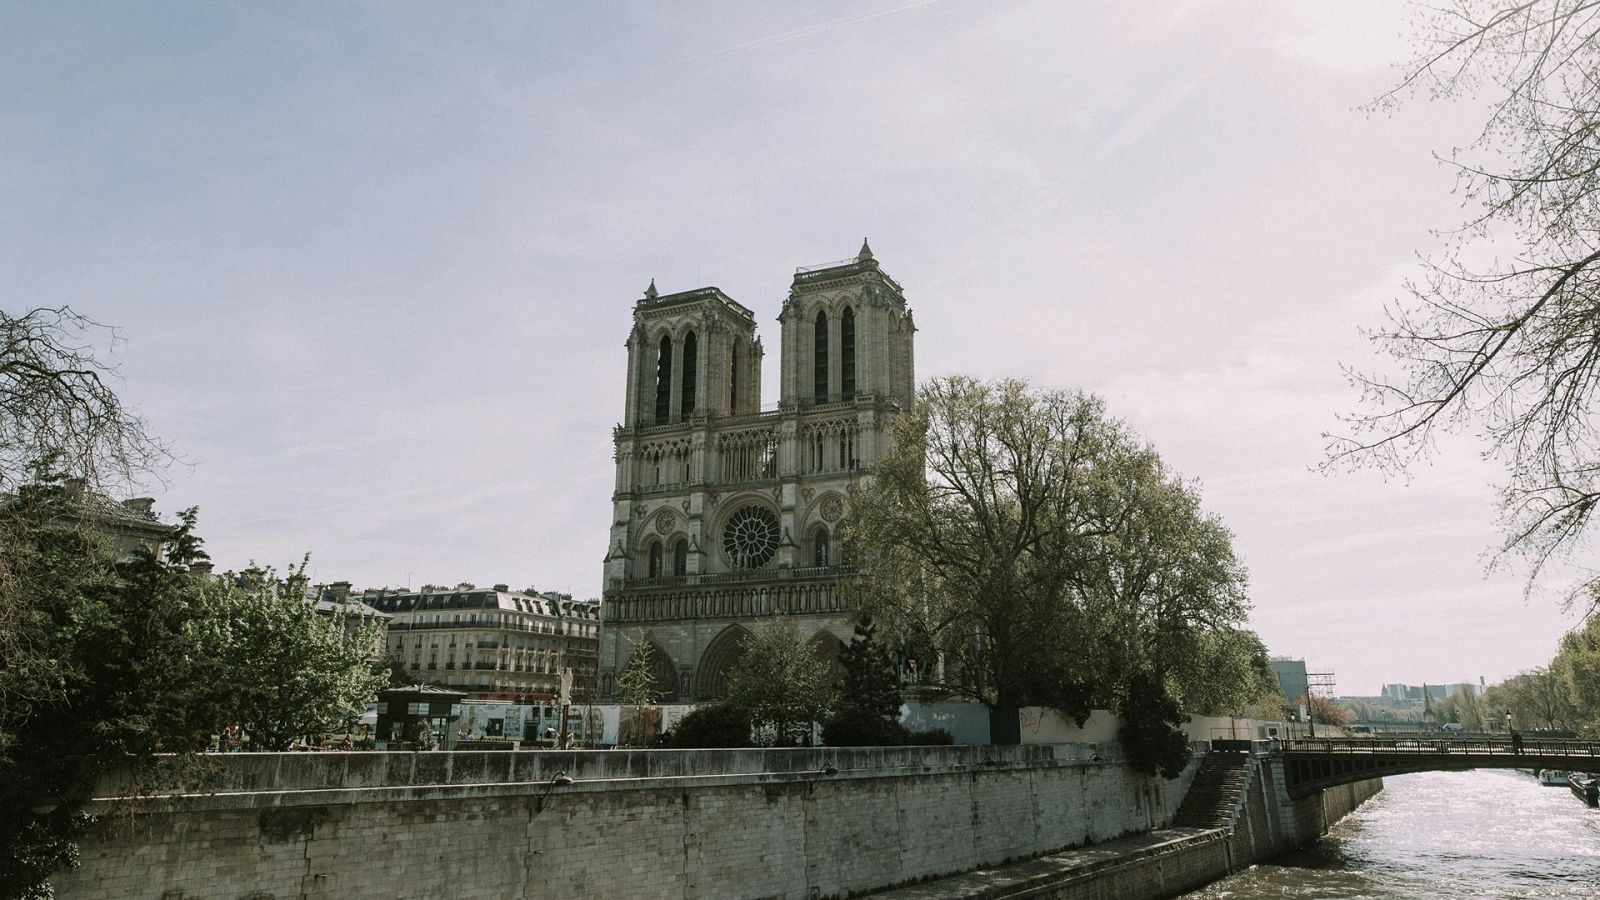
{"x":201,"y":567}
{"x":140,"y":505}
{"x":339,"y":591}
{"x":502,"y":588}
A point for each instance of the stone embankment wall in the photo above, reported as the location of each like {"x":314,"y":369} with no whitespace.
{"x":662,"y":823}
{"x":1271,"y":822}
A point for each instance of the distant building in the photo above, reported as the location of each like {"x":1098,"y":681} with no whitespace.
{"x":1408,"y":693}
{"x":494,"y":643}
{"x":334,"y":600}
{"x":1291,"y":678}
{"x":130,"y":527}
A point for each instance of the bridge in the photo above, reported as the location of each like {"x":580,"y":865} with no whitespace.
{"x":1311,"y":764}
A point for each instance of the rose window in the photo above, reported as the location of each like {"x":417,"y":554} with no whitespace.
{"x":750,"y":537}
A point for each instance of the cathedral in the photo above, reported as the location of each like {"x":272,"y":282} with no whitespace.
{"x":724,"y":511}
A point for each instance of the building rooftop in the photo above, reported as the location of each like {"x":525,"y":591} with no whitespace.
{"x":550,"y":603}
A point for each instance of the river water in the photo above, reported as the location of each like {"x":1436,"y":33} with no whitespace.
{"x":1487,"y":833}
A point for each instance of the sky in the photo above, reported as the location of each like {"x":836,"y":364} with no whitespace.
{"x":372,"y":266}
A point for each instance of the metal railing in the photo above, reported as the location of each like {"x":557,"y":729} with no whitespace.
{"x":674,"y":581}
{"x":1435,"y":744}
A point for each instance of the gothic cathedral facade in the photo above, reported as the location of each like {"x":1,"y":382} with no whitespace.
{"x":724,"y":512}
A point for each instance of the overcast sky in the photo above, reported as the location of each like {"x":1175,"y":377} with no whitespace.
{"x":373,"y":265}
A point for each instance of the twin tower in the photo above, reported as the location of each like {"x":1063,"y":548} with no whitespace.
{"x":725,"y":511}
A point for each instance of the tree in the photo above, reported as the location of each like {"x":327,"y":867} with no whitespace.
{"x":123,"y":682}
{"x":283,"y":669}
{"x":1500,"y":331}
{"x":636,"y":687}
{"x":1327,"y":711}
{"x":781,"y":682}
{"x":636,"y":684}
{"x":59,"y":418}
{"x":1578,"y":663}
{"x":1030,"y":547}
{"x":1151,"y":735}
{"x":868,"y":713}
{"x":57,"y":404}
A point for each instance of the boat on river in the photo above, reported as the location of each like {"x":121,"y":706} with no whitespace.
{"x":1585,"y":787}
{"x":1552,"y":777}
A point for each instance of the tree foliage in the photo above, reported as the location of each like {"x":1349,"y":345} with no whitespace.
{"x":868,"y":712}
{"x":636,"y":683}
{"x":281,"y":669}
{"x":781,"y":682}
{"x":145,"y":658}
{"x":1327,"y":711}
{"x":720,"y":724}
{"x":1501,"y":332}
{"x":1033,"y":550}
{"x":121,"y":682}
{"x":1152,"y":736}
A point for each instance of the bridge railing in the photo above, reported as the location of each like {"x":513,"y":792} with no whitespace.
{"x":1434,"y":744}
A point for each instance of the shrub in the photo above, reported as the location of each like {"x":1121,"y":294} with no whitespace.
{"x":718,"y":724}
{"x":930,"y":737}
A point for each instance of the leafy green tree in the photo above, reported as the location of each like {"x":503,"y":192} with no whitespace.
{"x":283,"y":669}
{"x":1578,"y":663}
{"x":868,"y":713}
{"x":781,"y":682}
{"x":1249,"y":680}
{"x":1031,"y":547}
{"x":123,"y":681}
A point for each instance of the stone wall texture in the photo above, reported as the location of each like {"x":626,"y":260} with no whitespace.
{"x":737,"y":823}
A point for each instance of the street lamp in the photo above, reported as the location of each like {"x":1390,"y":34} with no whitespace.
{"x":827,"y":770}
{"x":560,"y":779}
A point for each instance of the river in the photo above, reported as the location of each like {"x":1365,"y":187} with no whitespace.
{"x":1487,"y":833}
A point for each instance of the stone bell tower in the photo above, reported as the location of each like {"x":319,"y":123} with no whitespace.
{"x":725,"y":514}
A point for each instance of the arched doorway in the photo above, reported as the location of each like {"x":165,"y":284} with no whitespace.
{"x":711,"y":682}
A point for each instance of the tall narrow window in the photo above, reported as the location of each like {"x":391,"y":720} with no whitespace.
{"x":733,"y":378}
{"x":819,"y":548}
{"x":664,"y":381}
{"x":655,"y":559}
{"x":690,"y":366}
{"x":819,"y":393}
{"x":847,"y":355}
{"x":680,"y":558}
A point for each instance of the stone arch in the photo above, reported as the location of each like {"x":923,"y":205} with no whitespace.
{"x":680,"y":555}
{"x":721,"y":654}
{"x":826,"y":645}
{"x":818,"y":549}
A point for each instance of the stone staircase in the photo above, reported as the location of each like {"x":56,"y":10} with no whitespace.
{"x":1216,"y":791}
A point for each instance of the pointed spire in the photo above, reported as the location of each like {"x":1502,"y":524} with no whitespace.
{"x":650,"y":293}
{"x":866,"y":252}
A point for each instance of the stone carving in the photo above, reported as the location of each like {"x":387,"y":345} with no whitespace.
{"x":666,"y":522}
{"x":832,"y":508}
{"x":686,"y":507}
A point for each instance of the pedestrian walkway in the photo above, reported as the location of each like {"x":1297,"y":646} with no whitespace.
{"x":1058,"y":873}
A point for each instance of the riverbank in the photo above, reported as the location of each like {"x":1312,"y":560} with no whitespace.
{"x":1266,"y":824}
